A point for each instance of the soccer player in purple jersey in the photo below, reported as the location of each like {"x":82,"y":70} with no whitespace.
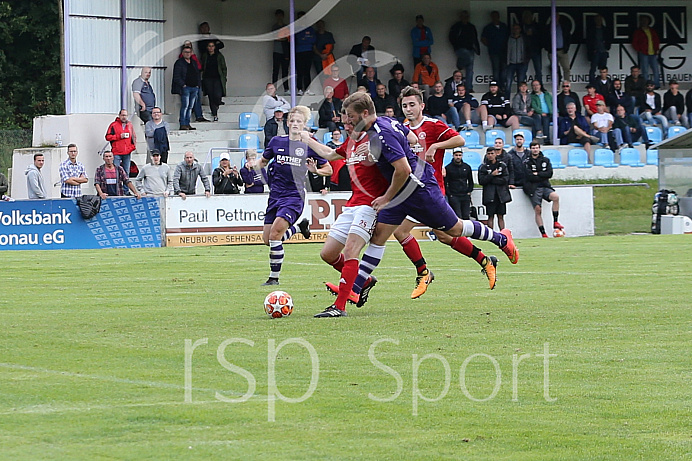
{"x":288,"y":173}
{"x":413,"y":191}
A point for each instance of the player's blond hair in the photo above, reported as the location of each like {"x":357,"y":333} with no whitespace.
{"x":301,"y":110}
{"x":360,"y":102}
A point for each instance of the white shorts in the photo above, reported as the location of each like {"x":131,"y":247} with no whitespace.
{"x":359,"y":220}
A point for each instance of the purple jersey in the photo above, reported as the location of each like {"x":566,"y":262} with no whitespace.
{"x":256,"y":178}
{"x":388,"y":144}
{"x":288,"y":172}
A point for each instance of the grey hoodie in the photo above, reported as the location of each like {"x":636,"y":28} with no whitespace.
{"x":34,"y":183}
{"x":185,"y":178}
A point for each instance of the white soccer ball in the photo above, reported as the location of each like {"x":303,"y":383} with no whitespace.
{"x":278,"y":304}
{"x":558,"y":233}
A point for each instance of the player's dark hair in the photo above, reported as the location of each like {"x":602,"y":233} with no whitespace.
{"x":411,"y":91}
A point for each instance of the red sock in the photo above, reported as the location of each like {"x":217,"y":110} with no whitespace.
{"x":412,"y":250}
{"x":465,"y":247}
{"x":339,"y":263}
{"x":348,"y":276}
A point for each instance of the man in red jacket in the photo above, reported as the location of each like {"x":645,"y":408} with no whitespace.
{"x":646,"y":43}
{"x":121,"y":135}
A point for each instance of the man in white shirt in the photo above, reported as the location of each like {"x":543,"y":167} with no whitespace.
{"x":602,"y":124}
{"x":272,"y":102}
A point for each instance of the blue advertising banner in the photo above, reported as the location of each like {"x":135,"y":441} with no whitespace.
{"x":123,"y":222}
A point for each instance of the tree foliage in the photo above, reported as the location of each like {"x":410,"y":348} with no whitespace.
{"x":30,"y":71}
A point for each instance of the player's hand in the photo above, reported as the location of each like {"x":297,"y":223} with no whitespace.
{"x":305,"y":136}
{"x":379,"y":203}
{"x":312,"y":165}
{"x":430,"y":154}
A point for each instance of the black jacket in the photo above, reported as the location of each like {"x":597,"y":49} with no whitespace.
{"x":326,"y":114}
{"x":641,"y":103}
{"x":515,"y":164}
{"x":543,"y":169}
{"x":464,"y":36}
{"x":459,"y":179}
{"x":226,"y":184}
{"x":180,"y":75}
{"x":563,"y":99}
{"x":494,"y":187}
{"x":271,"y":128}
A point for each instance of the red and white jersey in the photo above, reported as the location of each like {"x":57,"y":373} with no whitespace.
{"x":429,"y":131}
{"x":367,"y":182}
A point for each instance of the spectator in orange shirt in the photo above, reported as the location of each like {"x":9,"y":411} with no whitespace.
{"x":426,"y":74}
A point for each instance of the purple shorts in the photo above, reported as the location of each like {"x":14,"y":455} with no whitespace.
{"x":289,"y":209}
{"x":426,"y":205}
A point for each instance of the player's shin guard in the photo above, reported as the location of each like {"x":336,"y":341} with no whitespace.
{"x":276,"y":257}
{"x":479,"y":231}
{"x":371,"y":258}
{"x":465,"y":247}
{"x":348,"y":276}
{"x":412,"y":250}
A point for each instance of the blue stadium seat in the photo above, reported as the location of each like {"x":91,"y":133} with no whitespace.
{"x":604,"y":157}
{"x":675,"y":130}
{"x":215,"y":163}
{"x":249,"y":141}
{"x":555,"y":158}
{"x":492,"y":135}
{"x":654,"y":133}
{"x":249,"y":121}
{"x":652,"y":157}
{"x":578,"y":158}
{"x":473,"y":158}
{"x":630,"y":157}
{"x":448,"y":157}
{"x":528,"y":136}
{"x":328,"y":137}
{"x":472,"y":138}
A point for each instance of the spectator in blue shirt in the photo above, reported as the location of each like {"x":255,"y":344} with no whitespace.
{"x":305,"y":40}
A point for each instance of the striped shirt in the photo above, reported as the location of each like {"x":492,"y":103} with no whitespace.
{"x":71,"y":170}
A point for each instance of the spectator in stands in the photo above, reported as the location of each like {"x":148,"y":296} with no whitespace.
{"x":203,"y":43}
{"x":464,"y":39}
{"x":493,"y":175}
{"x":590,"y":100}
{"x":382,"y":100}
{"x":323,"y":55}
{"x":521,"y":107}
{"x":156,"y":133}
{"x":618,"y":97}
{"x":275,"y":126}
{"x":110,"y":179}
{"x":542,"y":105}
{"x":185,"y":177}
{"x":603,"y":84}
{"x":305,"y":42}
{"x":154,"y":178}
{"x":340,"y":179}
{"x":397,"y":82}
{"x":674,"y":105}
{"x":515,"y":162}
{"x":121,"y":135}
{"x":499,"y":146}
{"x":390,"y":112}
{"x":226,"y":178}
{"x":537,"y":173}
{"x":359,"y":57}
{"x":650,"y":107}
{"x":688,"y":103}
{"x":573,"y":128}
{"x":145,"y":99}
{"x":330,"y":110}
{"x":635,"y":84}
{"x":631,"y":127}
{"x":453,"y":82}
{"x":467,"y":106}
{"x":495,"y":109}
{"x":197,"y":107}
{"x":72,"y":174}
{"x":35,"y":185}
{"x":598,"y":42}
{"x":335,"y":140}
{"x":370,"y":81}
{"x":422,"y":39}
{"x":186,"y":83}
{"x":426,"y":74}
{"x":281,"y":52}
{"x":517,"y":58}
{"x":318,"y":184}
{"x":253,"y":179}
{"x":442,"y":108}
{"x":494,"y":36}
{"x":337,"y":83}
{"x":602,"y":127}
{"x":566,"y":96}
{"x":458,"y":181}
{"x":271,"y":102}
{"x":563,"y":42}
{"x":646,"y":43}
{"x":214,"y":74}
{"x":533,"y":35}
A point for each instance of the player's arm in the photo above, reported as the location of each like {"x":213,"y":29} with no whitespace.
{"x":412,"y":138}
{"x":402,"y":170}
{"x":324,"y":170}
{"x":320,"y":149}
{"x":451,"y":143}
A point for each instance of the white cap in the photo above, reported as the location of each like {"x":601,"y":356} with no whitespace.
{"x":225,"y":156}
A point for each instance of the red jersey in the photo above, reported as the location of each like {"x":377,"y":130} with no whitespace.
{"x":430,"y":131}
{"x":367,"y":181}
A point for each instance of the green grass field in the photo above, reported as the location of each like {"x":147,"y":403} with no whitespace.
{"x":93,"y":361}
